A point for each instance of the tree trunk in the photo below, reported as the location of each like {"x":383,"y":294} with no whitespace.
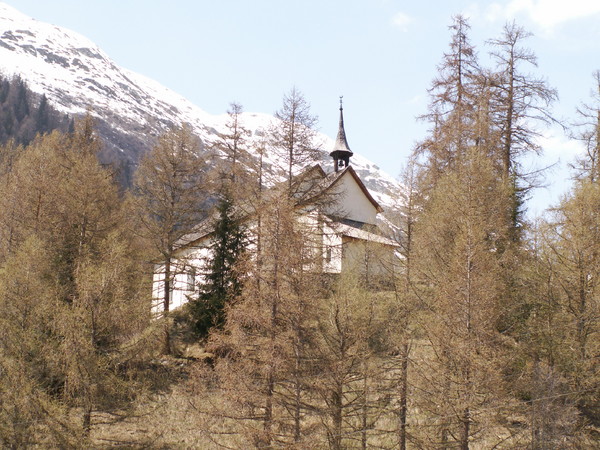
{"x":336,"y":439}
{"x":87,"y":420}
{"x":581,"y":316}
{"x":444,"y":431}
{"x":166,"y":305}
{"x":403,"y":397}
{"x":297,"y":395}
{"x":464,"y":444}
{"x":268,"y":419}
{"x":365,"y":409}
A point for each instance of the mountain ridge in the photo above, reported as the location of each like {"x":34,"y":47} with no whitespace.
{"x":130,"y":109}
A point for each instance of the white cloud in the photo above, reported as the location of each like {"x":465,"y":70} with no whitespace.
{"x":402,"y":21}
{"x":557,"y":146}
{"x":545,"y":13}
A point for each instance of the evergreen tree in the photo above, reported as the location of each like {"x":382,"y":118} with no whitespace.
{"x":24,"y":114}
{"x":42,"y":119}
{"x":21,"y":96}
{"x":223,"y":280}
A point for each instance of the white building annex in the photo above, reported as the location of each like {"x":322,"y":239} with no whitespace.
{"x":348,"y":225}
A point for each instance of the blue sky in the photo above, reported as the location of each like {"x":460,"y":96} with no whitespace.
{"x":381,"y":55}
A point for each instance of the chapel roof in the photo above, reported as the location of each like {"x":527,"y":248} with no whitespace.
{"x":341,"y":143}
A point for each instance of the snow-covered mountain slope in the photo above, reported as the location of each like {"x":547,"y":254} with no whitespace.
{"x":131,"y":110}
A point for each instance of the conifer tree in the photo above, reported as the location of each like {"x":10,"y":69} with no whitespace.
{"x":573,"y":241}
{"x":233,"y":143}
{"x":537,"y":369}
{"x":80,"y":296}
{"x":31,"y":376}
{"x":521,"y":101}
{"x":458,"y":272}
{"x":222,"y":282}
{"x":29,"y":192}
{"x":169,"y":190}
{"x":406,"y":302}
{"x":24,"y":114}
{"x":293,"y":136}
{"x":588,"y":132}
{"x":452,"y":105}
{"x":351,"y":382}
{"x":264,"y":364}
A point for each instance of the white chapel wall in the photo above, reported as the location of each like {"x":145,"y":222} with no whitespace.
{"x":186,"y":275}
{"x":353,"y":203}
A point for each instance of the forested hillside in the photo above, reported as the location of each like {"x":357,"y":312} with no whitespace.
{"x":482,"y":333}
{"x":25,"y":114}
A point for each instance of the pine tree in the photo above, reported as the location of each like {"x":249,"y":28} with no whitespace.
{"x":42,"y":118}
{"x":21,"y":105}
{"x":223,"y":281}
{"x":25,"y":114}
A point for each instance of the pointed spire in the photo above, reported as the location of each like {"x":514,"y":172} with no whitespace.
{"x":341,"y":151}
{"x":341,"y":144}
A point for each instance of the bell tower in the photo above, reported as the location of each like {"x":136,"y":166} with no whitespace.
{"x":341,"y":152}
